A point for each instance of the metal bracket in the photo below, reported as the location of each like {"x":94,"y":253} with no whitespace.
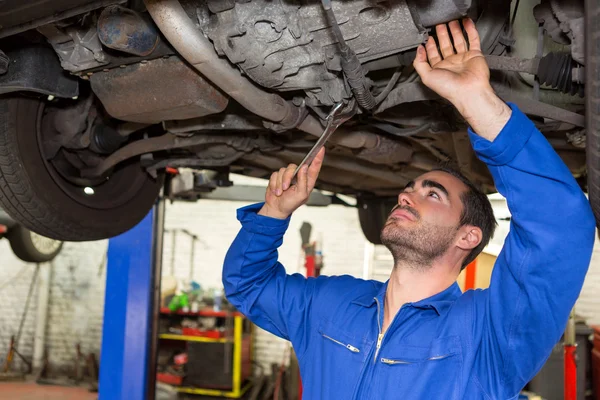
{"x":37,"y":69}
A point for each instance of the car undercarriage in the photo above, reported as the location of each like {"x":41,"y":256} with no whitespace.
{"x":113,"y":93}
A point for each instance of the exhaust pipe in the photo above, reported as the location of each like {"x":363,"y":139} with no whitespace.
{"x":188,"y":40}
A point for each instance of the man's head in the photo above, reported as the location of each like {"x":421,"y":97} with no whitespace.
{"x":438,"y":212}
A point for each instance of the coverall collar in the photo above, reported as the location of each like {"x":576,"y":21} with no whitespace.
{"x":440,"y":302}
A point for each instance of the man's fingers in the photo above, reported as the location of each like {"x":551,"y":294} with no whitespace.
{"x":444,"y":40}
{"x":302,"y":179}
{"x":314,"y":169}
{"x":273,"y":183}
{"x":432,"y":52}
{"x":287,"y":176}
{"x":279,"y":189}
{"x":457,"y":37}
{"x":420,"y":64}
{"x":472,"y":34}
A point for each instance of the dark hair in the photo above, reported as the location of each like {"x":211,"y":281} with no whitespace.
{"x":477,"y":211}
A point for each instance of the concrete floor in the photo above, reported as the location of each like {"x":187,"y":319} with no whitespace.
{"x":32,"y":391}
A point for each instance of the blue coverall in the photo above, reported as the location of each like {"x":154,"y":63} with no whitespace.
{"x":481,"y":344}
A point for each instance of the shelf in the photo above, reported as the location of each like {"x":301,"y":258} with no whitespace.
{"x":170,"y":336}
{"x":206,"y":312}
{"x":215,"y":392}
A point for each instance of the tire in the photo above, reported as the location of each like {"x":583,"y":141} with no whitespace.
{"x":592,"y":94}
{"x":372,"y":214}
{"x":31,"y":247}
{"x":36,"y":196}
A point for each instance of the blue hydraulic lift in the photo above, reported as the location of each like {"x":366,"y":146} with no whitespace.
{"x":131,"y":307}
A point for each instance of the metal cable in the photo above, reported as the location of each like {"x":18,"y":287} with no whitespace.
{"x":353,"y":70}
{"x":403,"y":132}
{"x":394,"y":79}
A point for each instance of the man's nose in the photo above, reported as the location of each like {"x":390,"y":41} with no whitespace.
{"x":405,"y":199}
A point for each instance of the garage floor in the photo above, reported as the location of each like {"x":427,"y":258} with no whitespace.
{"x":31,"y":391}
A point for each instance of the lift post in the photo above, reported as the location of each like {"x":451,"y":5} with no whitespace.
{"x":131,"y":305}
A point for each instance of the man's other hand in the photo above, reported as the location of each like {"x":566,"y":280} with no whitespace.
{"x":461,"y":75}
{"x":283,"y":197}
{"x":459,"y":68}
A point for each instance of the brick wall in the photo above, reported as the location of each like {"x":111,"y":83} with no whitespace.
{"x":76,"y":302}
{"x":588,"y":304}
{"x":15,"y":278}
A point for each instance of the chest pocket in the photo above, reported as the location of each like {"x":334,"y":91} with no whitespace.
{"x":421,"y":372}
{"x":342,"y":356}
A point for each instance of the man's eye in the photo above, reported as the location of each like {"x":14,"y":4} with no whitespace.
{"x":434,"y":194}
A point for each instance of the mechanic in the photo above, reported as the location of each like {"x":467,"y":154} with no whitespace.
{"x":418,"y":336}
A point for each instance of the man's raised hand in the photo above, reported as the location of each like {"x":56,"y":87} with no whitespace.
{"x":459,"y":68}
{"x":461,"y":75}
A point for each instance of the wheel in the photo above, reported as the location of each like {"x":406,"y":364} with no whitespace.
{"x":31,"y":247}
{"x":38,"y":196}
{"x":372,"y":214}
{"x":592,"y":95}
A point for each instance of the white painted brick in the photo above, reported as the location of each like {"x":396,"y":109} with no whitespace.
{"x":75,"y":306}
{"x":588,"y":304}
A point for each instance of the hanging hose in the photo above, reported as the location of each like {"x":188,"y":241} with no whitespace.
{"x":403,"y":132}
{"x":351,"y":66}
{"x":388,"y":88}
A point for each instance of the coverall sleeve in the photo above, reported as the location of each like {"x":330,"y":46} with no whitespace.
{"x":540,"y":271}
{"x":257,"y":284}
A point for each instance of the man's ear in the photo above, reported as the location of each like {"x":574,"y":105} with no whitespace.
{"x":469,"y":237}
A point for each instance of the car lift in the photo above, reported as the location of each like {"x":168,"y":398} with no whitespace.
{"x":131,"y":307}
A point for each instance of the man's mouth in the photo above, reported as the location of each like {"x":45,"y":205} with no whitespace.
{"x":404,"y":213}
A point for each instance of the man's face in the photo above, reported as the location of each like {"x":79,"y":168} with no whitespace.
{"x":425,"y":222}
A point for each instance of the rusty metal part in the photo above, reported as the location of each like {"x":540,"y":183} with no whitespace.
{"x":168,"y":142}
{"x":194,"y":162}
{"x":529,"y":65}
{"x":417,"y":91}
{"x":404,"y":132}
{"x":407,"y":93}
{"x":358,"y":168}
{"x":440,"y":12}
{"x":577,"y":139}
{"x":352,"y":139}
{"x":123,"y":29}
{"x":160,"y":89}
{"x":16,"y":16}
{"x":217,"y":122}
{"x":534,"y":107}
{"x":387,"y":151}
{"x":291,"y":45}
{"x":189,"y":41}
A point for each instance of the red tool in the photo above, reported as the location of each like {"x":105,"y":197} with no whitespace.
{"x":570,"y":359}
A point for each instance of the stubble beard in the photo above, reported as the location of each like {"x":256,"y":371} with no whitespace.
{"x":417,"y":246}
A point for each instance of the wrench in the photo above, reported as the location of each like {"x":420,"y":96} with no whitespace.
{"x":334,"y":119}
